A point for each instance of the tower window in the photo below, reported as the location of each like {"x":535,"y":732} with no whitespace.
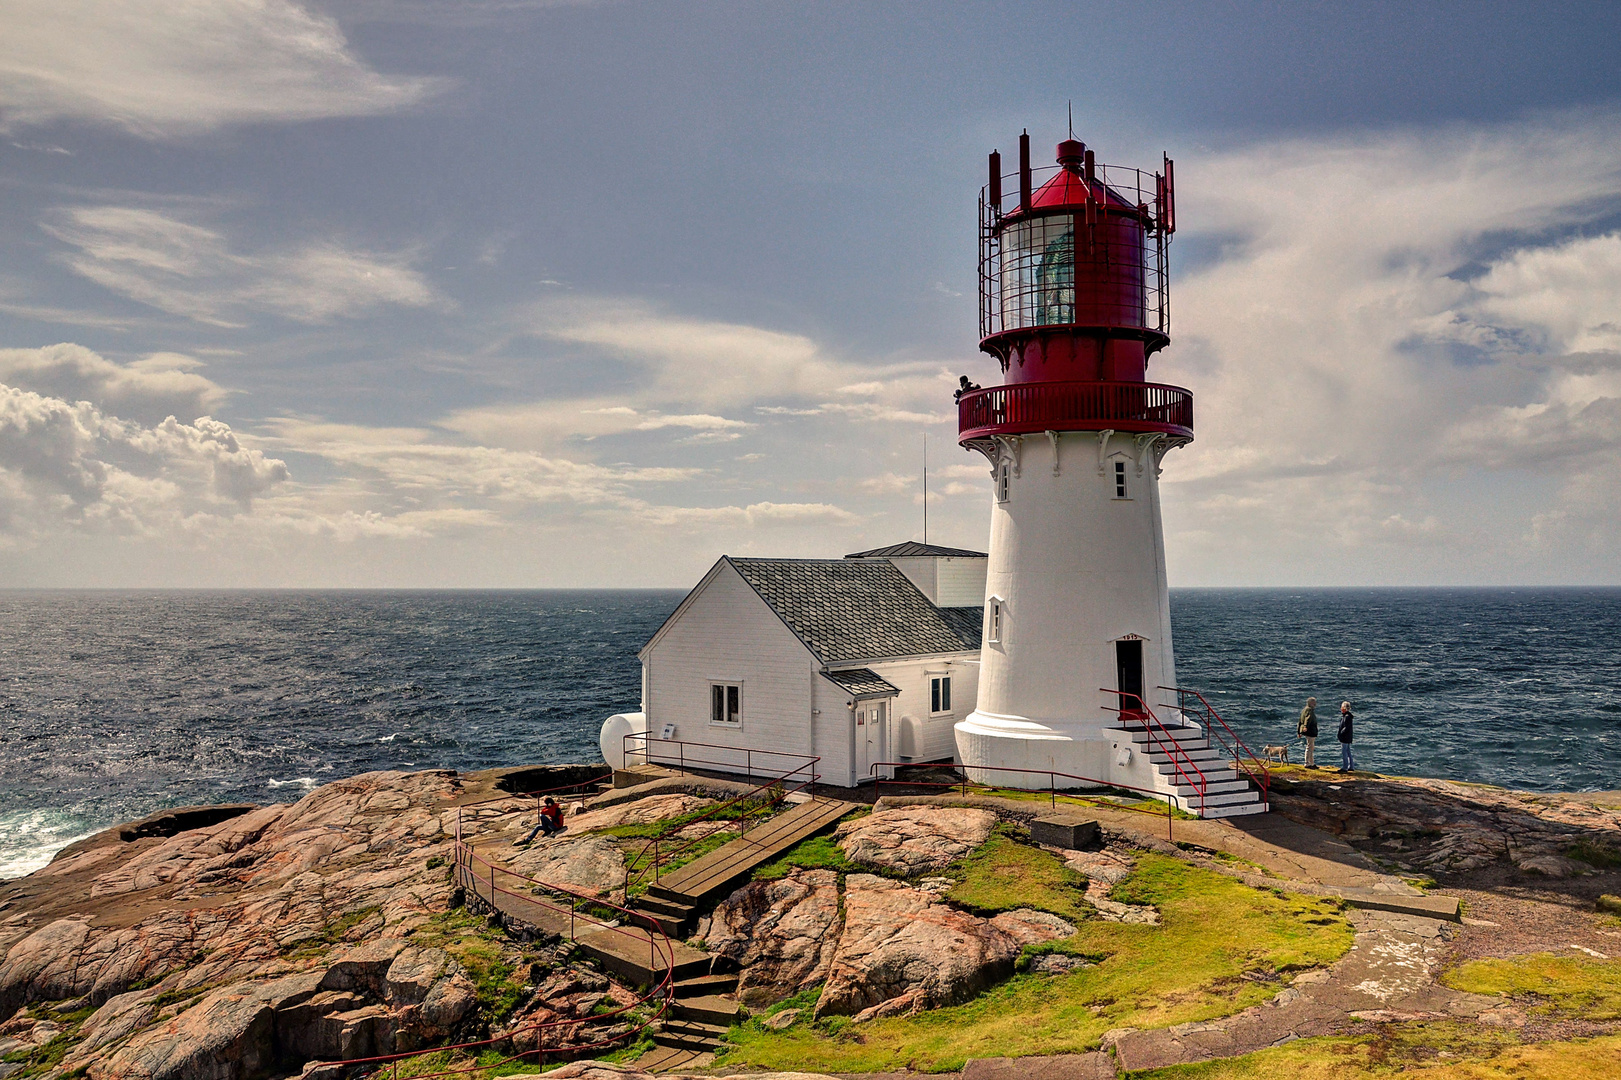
{"x":1120,"y":480}
{"x":939,"y":694}
{"x":993,"y":621}
{"x":726,"y":704}
{"x":1002,"y":473}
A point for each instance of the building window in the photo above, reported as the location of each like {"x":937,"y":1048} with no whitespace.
{"x":1120,"y":480}
{"x":993,"y":621}
{"x":939,"y":694}
{"x":1002,"y":472}
{"x":726,"y":704}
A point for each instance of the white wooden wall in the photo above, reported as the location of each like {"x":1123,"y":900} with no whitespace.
{"x":728,"y":634}
{"x":911,"y":677}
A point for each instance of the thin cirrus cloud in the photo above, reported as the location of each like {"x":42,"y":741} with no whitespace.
{"x":166,"y":68}
{"x":192,"y":271}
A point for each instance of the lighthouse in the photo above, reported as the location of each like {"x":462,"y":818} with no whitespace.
{"x":1077,"y":682}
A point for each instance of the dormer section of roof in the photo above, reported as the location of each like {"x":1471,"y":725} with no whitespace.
{"x":949,"y":577}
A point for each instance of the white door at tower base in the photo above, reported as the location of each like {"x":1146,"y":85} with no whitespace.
{"x":871,"y":737}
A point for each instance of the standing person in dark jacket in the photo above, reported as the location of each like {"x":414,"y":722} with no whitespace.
{"x":1347,"y":762}
{"x":1308,"y":731}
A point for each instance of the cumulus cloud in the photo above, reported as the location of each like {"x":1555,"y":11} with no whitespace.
{"x":70,"y":462}
{"x":146,"y":390}
{"x":177,"y":67}
{"x":190,"y":270}
{"x":1380,"y":317}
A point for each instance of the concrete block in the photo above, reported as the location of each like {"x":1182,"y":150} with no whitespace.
{"x":1064,"y":832}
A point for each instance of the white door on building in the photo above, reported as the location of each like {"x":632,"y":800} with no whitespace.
{"x":871,"y":741}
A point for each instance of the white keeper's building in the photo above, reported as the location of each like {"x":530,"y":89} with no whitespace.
{"x":861,"y":660}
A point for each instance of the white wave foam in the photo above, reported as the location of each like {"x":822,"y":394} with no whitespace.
{"x":29,"y":839}
{"x":298,"y":781}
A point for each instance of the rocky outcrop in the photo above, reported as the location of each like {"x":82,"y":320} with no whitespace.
{"x":228,"y":945}
{"x":781,"y":934}
{"x":901,"y":951}
{"x":916,"y":839}
{"x":1104,"y":870}
{"x":590,"y":865}
{"x":1450,"y":828}
{"x":640,"y":812}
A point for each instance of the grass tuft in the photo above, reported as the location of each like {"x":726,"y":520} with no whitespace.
{"x":1004,"y":875}
{"x":1563,"y":986}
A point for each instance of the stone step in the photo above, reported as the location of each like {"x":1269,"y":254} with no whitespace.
{"x":1212,"y":786}
{"x":1191,"y":802}
{"x":1240,"y":810}
{"x":710,"y":1009}
{"x":673,"y":1059}
{"x":705,"y":985}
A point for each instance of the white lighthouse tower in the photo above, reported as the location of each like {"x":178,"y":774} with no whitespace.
{"x":1078,"y":683}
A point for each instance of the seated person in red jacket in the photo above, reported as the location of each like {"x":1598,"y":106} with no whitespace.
{"x":550,"y":823}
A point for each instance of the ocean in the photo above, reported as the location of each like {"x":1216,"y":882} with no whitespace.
{"x":116,"y":704}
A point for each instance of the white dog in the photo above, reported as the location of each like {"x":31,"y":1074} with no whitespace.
{"x":1280,"y":754}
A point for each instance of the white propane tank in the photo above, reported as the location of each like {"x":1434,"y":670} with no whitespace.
{"x":614,"y":730}
{"x":909,"y":739}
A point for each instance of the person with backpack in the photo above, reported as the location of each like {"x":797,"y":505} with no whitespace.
{"x":1347,"y":762}
{"x":1308,"y":731}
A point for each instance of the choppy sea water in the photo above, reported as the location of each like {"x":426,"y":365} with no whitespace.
{"x":116,"y":704}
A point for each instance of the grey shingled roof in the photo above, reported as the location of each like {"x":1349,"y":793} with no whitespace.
{"x":855,"y":609}
{"x":862,"y":680}
{"x":912,"y":549}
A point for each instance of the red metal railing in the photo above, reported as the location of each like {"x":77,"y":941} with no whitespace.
{"x":1025,"y":408}
{"x":1174,"y":750}
{"x":780,"y":783}
{"x":1052,"y":790}
{"x":1263,"y":781}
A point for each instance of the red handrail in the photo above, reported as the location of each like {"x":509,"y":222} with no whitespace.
{"x":776,"y":780}
{"x":1202,"y":783}
{"x":1264,"y":781}
{"x":1051,"y":790}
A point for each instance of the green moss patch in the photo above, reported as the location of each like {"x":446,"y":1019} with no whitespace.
{"x":1552,"y":985}
{"x":1596,"y":854}
{"x":1005,"y":874}
{"x":1189,"y":968}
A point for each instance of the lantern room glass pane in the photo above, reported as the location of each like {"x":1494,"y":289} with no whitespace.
{"x":1038,"y":272}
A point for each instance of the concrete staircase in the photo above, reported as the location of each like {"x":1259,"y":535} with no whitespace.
{"x":1226,"y":793}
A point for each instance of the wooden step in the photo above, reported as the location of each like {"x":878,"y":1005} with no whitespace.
{"x":661,"y":906}
{"x":705,"y":985}
{"x":710,"y":1009}
{"x":733,"y":861}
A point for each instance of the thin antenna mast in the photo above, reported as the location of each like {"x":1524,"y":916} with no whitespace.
{"x":1072,"y":119}
{"x":925,"y":487}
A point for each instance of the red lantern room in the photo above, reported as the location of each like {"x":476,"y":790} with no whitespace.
{"x":1073,"y":299}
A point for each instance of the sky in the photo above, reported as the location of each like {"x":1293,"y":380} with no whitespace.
{"x":500,"y":293}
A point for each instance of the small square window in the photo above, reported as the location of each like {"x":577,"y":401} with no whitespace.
{"x":1003,"y":472}
{"x":1120,"y":480}
{"x":726,"y":704}
{"x":939,"y":695}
